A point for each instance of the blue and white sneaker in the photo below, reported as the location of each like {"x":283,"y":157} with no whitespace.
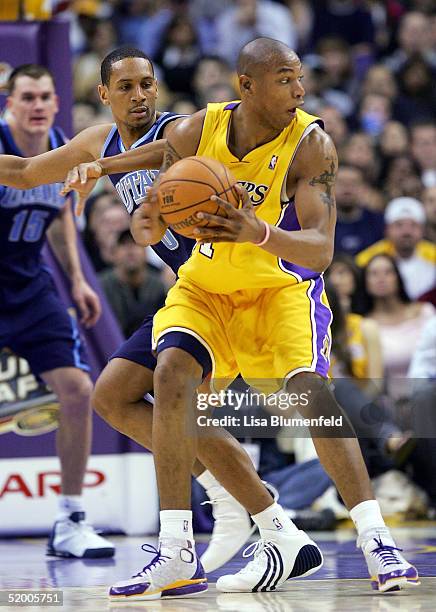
{"x":175,"y":571}
{"x":276,"y":559}
{"x":388,"y":569}
{"x":74,"y":537}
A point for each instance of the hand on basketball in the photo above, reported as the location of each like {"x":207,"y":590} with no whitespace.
{"x":147,"y":226}
{"x":82,"y":180}
{"x":240,"y":225}
{"x":87,"y":302}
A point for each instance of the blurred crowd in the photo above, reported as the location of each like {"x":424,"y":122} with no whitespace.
{"x":369,"y":73}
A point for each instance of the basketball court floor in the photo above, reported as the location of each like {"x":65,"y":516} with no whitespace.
{"x":340,"y":586}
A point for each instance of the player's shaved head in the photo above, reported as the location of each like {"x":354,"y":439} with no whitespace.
{"x":261,"y":54}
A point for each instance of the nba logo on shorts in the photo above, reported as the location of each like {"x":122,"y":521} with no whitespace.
{"x":277,"y":523}
{"x":185,"y":525}
{"x":325,"y":351}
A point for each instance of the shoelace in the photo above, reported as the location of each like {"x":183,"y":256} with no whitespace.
{"x":159,"y":559}
{"x":256,"y":549}
{"x":386,"y":553}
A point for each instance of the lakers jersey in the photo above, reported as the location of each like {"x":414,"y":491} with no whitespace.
{"x":228,"y":267}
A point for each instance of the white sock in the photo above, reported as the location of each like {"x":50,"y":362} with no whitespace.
{"x":274,"y":518}
{"x":207,"y":480}
{"x":367,"y":515}
{"x":176,"y":524}
{"x":68,"y":504}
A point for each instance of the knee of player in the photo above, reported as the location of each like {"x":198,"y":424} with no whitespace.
{"x":76,"y":391}
{"x":177,"y":369}
{"x":103,"y":400}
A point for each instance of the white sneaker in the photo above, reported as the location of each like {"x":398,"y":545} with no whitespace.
{"x":73,"y":537}
{"x":388,"y":569}
{"x":175,"y":571}
{"x":280,"y":557}
{"x":231,"y":530}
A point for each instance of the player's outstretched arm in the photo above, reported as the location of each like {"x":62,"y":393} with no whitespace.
{"x":52,"y":167}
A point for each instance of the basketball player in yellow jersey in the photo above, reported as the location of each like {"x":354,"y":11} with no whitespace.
{"x":251,"y":299}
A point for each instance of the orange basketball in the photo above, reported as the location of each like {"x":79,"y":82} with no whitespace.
{"x":186,"y":188}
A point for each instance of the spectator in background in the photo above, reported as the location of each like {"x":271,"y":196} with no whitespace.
{"x":361,"y":334}
{"x":178,"y":54}
{"x":424,"y":150}
{"x":210,"y":71}
{"x":249,"y":19}
{"x":400,"y":177}
{"x":394,"y":141}
{"x":133,"y":289}
{"x":360,"y":151}
{"x":356,"y":227}
{"x":141,"y":23}
{"x":87,"y":67}
{"x":346,"y":19}
{"x":375,"y":111}
{"x":400,"y":320}
{"x":334,"y":123}
{"x":337,"y":76}
{"x":414,"y":37}
{"x":429,"y":201}
{"x":106,"y":219}
{"x":415,"y":257}
{"x":417,"y":91}
{"x":183,"y":106}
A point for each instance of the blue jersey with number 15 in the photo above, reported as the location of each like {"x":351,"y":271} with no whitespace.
{"x":25,"y":215}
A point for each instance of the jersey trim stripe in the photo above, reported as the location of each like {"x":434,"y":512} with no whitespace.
{"x":108,"y":140}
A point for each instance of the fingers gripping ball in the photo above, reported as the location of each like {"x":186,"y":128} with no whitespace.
{"x":186,"y":188}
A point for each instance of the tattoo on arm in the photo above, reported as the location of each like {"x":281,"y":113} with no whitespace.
{"x":327,"y":179}
{"x":170,"y":156}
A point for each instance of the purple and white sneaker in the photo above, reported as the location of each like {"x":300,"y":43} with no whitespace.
{"x":388,"y":569}
{"x":175,"y":571}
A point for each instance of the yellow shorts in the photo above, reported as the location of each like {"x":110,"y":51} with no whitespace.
{"x":266,"y":335}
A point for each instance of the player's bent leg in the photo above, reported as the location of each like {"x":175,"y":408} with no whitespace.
{"x":176,"y":570}
{"x":118,"y":397}
{"x":71,"y":535}
{"x":341,"y":457}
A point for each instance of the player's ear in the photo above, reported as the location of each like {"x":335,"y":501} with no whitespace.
{"x":245,"y":83}
{"x":103,"y":93}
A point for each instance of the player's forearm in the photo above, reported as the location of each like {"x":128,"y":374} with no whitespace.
{"x":147,"y":157}
{"x":62,"y":236}
{"x":308,"y":248}
{"x":14,"y":172}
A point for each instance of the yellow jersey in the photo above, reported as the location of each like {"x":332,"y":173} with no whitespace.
{"x":228,"y":267}
{"x":357,"y":346}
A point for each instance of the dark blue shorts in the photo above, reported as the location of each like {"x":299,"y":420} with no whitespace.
{"x":44,"y":333}
{"x":138,"y":347}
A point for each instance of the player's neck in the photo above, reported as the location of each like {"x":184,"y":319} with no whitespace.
{"x":246,"y":134}
{"x":130,"y":135}
{"x":29,"y":144}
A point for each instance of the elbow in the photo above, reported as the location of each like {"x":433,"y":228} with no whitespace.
{"x":324,"y":259}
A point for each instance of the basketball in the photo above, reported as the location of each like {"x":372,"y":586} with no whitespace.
{"x":186,"y":189}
